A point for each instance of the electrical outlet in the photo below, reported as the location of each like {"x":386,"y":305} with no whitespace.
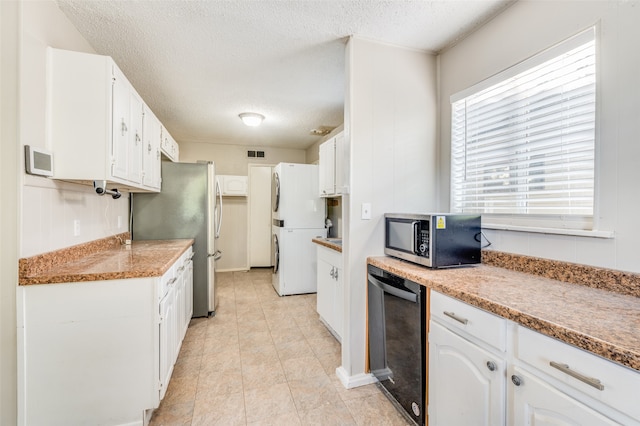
{"x":76,"y":228}
{"x":366,"y":211}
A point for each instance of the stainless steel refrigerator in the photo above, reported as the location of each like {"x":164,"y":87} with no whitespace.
{"x":188,"y":206}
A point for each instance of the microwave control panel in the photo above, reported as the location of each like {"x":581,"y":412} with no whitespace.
{"x":423,"y":242}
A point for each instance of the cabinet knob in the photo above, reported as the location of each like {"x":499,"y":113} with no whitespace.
{"x":491,"y":365}
{"x":516,"y":380}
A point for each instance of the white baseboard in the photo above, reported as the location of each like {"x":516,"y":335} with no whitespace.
{"x":354,"y":381}
{"x":233,"y":270}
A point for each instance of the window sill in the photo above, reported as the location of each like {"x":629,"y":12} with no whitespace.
{"x":555,"y":231}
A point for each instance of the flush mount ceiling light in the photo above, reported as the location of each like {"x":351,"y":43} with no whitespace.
{"x":251,"y":118}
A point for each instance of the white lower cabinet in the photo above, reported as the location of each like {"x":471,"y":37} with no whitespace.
{"x":466,"y":378}
{"x":99,"y":352}
{"x":485,"y":370}
{"x":330,"y":297}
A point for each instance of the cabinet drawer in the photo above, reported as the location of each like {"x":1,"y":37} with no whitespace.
{"x":480,"y":324}
{"x":576,"y":366}
{"x":167,"y":280}
{"x":330,"y":256}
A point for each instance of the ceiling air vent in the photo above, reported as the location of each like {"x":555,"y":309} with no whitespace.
{"x":321,"y":131}
{"x":254,"y":154}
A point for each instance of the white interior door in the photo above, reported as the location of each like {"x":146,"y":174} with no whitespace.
{"x":260,"y":216}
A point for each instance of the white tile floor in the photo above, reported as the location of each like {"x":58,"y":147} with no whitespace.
{"x":264,"y":360}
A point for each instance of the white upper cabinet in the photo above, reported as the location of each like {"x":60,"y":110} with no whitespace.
{"x":333,"y":173}
{"x":96,"y":122}
{"x":168,"y":146}
{"x":234,"y":185}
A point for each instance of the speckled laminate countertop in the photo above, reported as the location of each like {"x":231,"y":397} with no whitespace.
{"x":332,"y":243}
{"x":599,"y":321}
{"x":116,"y":261}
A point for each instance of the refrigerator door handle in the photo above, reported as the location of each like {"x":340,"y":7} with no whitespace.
{"x":219,"y":219}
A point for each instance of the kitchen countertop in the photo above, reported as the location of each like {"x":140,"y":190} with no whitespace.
{"x":599,"y":321}
{"x":139,"y":259}
{"x":332,"y":243}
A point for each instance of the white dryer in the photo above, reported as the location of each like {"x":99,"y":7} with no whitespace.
{"x":296,"y":201}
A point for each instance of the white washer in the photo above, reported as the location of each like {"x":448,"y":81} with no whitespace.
{"x":295,"y":265}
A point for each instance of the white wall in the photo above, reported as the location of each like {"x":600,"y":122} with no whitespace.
{"x":390,"y":124}
{"x":233,"y":160}
{"x":49,"y":208}
{"x":9,"y":156}
{"x":524,"y":29}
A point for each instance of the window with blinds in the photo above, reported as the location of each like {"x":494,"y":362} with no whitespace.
{"x":523,"y":141}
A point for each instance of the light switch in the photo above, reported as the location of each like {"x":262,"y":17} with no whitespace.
{"x":366,"y":211}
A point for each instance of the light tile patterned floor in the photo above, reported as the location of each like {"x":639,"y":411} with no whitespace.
{"x":264,"y":360}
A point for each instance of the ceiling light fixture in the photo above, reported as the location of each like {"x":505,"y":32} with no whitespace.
{"x":251,"y":118}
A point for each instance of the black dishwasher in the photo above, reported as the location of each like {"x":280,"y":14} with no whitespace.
{"x":397,"y":340}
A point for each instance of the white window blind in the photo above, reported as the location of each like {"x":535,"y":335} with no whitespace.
{"x":523,"y":142}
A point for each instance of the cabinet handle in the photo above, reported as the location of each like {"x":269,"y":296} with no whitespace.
{"x":516,"y":380}
{"x":149,"y":148}
{"x":331,"y":273}
{"x":335,"y":275}
{"x":491,"y":366}
{"x":456,"y":317}
{"x":173,"y":280}
{"x":137,"y":138}
{"x":124,"y":127}
{"x":591,"y":381}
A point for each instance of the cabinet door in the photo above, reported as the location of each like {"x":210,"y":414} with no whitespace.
{"x":466,"y":382}
{"x":135,"y":136}
{"x":167,"y":348}
{"x":338,"y":304}
{"x":234,"y":185}
{"x":189,"y":291}
{"x":327,"y":168}
{"x":536,"y":403}
{"x":120,"y":126}
{"x":341,"y":172}
{"x":151,"y":150}
{"x":326,"y":289}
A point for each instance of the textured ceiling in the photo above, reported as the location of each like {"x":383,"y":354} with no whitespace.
{"x":198,"y":64}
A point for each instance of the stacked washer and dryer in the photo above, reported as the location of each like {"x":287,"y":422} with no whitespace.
{"x":298,"y":215}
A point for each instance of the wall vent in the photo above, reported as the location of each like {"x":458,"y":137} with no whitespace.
{"x":260,"y":154}
{"x":251,"y":154}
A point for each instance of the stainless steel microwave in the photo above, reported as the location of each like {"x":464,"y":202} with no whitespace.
{"x":433,"y":240}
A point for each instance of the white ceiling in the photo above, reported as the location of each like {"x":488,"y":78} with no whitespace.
{"x":198,"y":64}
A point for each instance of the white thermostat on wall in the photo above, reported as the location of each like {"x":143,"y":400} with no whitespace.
{"x":38,"y":161}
